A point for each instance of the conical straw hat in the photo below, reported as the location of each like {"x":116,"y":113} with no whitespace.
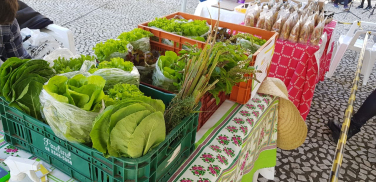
{"x":292,"y":129}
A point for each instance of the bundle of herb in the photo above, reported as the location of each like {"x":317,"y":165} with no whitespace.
{"x":195,"y":84}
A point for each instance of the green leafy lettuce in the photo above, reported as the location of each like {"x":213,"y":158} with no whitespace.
{"x":83,"y":92}
{"x":130,"y":128}
{"x":104,"y":50}
{"x":114,"y":63}
{"x":22,"y":81}
{"x":181,"y":26}
{"x":172,"y":68}
{"x":62,"y":65}
{"x":134,"y":35}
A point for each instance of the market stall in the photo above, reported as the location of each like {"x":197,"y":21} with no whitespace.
{"x":132,"y":111}
{"x":301,"y":67}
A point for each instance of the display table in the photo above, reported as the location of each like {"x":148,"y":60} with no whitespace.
{"x":236,"y":142}
{"x":298,"y":67}
{"x":205,"y":9}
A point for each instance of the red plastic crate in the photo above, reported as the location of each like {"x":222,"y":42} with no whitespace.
{"x":208,"y":107}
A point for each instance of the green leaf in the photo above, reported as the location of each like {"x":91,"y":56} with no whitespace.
{"x":99,"y":134}
{"x":123,"y":112}
{"x":150,"y":132}
{"x":121,"y":135}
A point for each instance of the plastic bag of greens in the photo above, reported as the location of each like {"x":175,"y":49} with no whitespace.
{"x":161,"y":81}
{"x":167,"y":73}
{"x":114,"y":76}
{"x":70,"y":103}
{"x":248,"y":45}
{"x":142,"y":44}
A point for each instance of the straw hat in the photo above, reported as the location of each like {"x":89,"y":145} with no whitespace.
{"x":292,"y":129}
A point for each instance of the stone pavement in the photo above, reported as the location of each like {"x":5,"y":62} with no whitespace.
{"x":93,"y":21}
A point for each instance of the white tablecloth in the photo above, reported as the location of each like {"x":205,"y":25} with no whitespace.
{"x":204,"y":8}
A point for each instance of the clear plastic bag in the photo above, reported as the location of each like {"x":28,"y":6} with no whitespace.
{"x":247,"y":44}
{"x":250,"y":18}
{"x":261,"y":21}
{"x":146,"y":72}
{"x":114,"y":76}
{"x":294,"y":35}
{"x":306,"y":31}
{"x":142,"y":44}
{"x":286,"y":28}
{"x":277,"y":26}
{"x":61,"y":52}
{"x":161,"y":81}
{"x":317,"y":32}
{"x":67,"y":121}
{"x":39,"y":44}
{"x":268,"y":21}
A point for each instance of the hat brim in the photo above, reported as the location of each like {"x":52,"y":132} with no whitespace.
{"x":292,"y":129}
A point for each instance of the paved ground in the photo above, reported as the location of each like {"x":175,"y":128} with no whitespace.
{"x":97,"y":20}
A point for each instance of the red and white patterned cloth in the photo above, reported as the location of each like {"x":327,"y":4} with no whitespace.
{"x":295,"y":64}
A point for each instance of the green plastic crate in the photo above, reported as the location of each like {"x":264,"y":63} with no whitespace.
{"x":86,"y":164}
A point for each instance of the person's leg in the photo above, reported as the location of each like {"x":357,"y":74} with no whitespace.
{"x":362,"y":4}
{"x":369,"y":6}
{"x":345,"y":4}
{"x":365,"y":112}
{"x":336,"y":3}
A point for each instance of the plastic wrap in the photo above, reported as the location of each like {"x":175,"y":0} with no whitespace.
{"x":161,"y":81}
{"x":277,"y":26}
{"x":286,"y":28}
{"x":249,"y":19}
{"x":247,"y":44}
{"x":114,"y":76}
{"x":305,"y":32}
{"x":268,"y":21}
{"x":142,"y":44}
{"x":67,"y":121}
{"x":146,"y":72}
{"x":283,"y":15}
{"x":316,"y":18}
{"x":61,"y":52}
{"x":317,"y":32}
{"x":261,"y":20}
{"x":294,"y":35}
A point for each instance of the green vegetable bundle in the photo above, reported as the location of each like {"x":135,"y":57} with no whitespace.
{"x":21,"y":82}
{"x":70,"y":105}
{"x":181,"y":26}
{"x":138,"y":38}
{"x":130,"y":128}
{"x":117,"y":71}
{"x":134,"y":35}
{"x":169,"y":71}
{"x":231,"y":67}
{"x":62,"y":65}
{"x":111,"y":48}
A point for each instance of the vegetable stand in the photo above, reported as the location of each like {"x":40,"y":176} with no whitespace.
{"x":86,"y":164}
{"x":262,"y":147}
{"x":87,"y":104}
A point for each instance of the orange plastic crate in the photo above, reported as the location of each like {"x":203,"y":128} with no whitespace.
{"x":241,"y":92}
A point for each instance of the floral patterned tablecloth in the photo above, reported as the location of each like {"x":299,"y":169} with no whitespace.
{"x":239,"y":144}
